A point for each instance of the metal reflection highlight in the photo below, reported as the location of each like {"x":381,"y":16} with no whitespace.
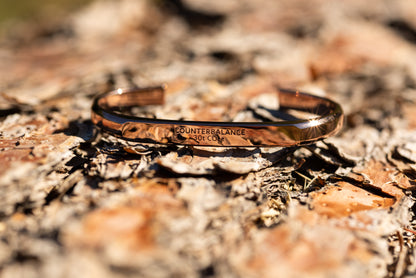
{"x":327,"y":120}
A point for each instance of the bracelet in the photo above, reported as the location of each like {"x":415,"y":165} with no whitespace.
{"x":107,"y":115}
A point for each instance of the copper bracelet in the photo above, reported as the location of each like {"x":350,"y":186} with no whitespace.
{"x":327,"y":120}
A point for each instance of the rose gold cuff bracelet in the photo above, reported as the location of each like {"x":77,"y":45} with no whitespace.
{"x":327,"y":119}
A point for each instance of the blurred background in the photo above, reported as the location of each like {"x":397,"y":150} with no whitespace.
{"x":74,"y":203}
{"x":35,"y":12}
{"x":38,"y":10}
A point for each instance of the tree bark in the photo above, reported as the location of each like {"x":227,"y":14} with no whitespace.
{"x":76,"y":202}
